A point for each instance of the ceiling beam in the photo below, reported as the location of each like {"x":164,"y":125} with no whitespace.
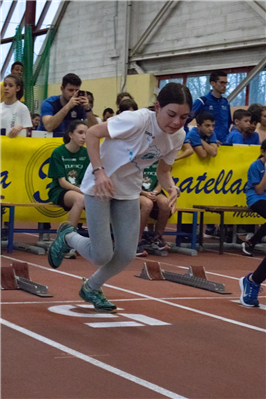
{"x":43,"y":14}
{"x":8,"y":18}
{"x":10,"y":52}
{"x":247,"y":79}
{"x":256,"y":7}
{"x":152,"y":25}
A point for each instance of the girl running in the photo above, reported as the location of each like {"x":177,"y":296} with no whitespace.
{"x":68,"y":164}
{"x":15,"y":116}
{"x":112,"y":184}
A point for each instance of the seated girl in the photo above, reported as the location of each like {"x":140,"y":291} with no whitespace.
{"x":68,"y":164}
{"x":15,"y":116}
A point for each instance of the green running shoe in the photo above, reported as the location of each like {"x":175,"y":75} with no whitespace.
{"x":59,"y":247}
{"x":97,"y":298}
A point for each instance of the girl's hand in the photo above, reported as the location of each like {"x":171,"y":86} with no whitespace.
{"x":103,"y":188}
{"x":151,"y":195}
{"x":15,"y":131}
{"x":173,"y":194}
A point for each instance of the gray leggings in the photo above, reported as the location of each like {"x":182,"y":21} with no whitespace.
{"x":124,"y":215}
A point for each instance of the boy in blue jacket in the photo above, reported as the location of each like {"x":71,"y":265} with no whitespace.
{"x":202,"y":138}
{"x":241,"y":132}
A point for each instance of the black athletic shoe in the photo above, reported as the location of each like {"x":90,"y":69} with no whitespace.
{"x":247,"y":249}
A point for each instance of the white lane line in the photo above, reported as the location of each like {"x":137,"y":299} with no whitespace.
{"x":30,"y":234}
{"x":224,"y":297}
{"x":94,"y":362}
{"x":238,"y":255}
{"x":231,"y":321}
{"x":150,"y":260}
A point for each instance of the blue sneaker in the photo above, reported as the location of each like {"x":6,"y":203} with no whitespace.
{"x":249,"y":292}
{"x":59,"y":247}
{"x":97,"y":298}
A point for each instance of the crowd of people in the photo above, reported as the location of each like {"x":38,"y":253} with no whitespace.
{"x":123,"y":181}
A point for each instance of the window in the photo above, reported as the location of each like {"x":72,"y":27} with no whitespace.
{"x":233,"y":81}
{"x":198,"y":86}
{"x":257,"y":89}
{"x":163,"y":82}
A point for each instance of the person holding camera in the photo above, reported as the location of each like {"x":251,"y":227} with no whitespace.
{"x":57,"y":112}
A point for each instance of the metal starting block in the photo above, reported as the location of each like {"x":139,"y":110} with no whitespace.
{"x":16,"y":276}
{"x":195,"y":277}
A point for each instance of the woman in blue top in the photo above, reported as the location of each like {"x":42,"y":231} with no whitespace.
{"x":256,"y":197}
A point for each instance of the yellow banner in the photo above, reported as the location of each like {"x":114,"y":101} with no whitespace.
{"x":217,"y":181}
{"x":213,"y":181}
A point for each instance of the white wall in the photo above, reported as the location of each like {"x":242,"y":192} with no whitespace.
{"x":91,"y":31}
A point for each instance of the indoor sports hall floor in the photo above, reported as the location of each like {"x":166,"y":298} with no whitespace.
{"x":166,"y":341}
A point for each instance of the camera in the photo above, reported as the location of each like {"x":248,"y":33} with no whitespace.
{"x":81,"y":93}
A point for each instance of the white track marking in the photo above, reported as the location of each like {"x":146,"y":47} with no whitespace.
{"x":150,"y":260}
{"x":231,"y":321}
{"x":145,"y":319}
{"x":66,"y":310}
{"x":30,"y":234}
{"x":94,"y":362}
{"x":263,"y":307}
{"x":227,"y":297}
{"x":115,"y":324}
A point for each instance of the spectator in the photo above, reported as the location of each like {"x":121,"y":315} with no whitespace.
{"x":187,"y":150}
{"x":123,"y":96}
{"x":68,"y":164}
{"x":36,"y":119}
{"x":261,"y":129}
{"x":250,"y":286}
{"x":256,"y":197}
{"x":16,"y":70}
{"x":107,"y":113}
{"x":15,"y":116}
{"x":241,"y":132}
{"x":216,"y":104}
{"x":202,"y":138}
{"x":128,"y":105}
{"x":57,"y":112}
{"x":91,"y":102}
{"x":154,"y":204}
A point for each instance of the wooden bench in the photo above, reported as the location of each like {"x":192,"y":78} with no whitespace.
{"x":179,"y":233}
{"x":11,"y":220}
{"x":220,"y":210}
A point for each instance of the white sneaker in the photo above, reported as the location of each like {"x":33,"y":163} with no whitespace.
{"x":249,"y":236}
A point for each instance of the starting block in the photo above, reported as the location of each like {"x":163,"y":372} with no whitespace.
{"x":16,"y":276}
{"x":195,"y":277}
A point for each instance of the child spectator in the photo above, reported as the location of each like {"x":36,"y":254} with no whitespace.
{"x":128,"y":105}
{"x":16,"y":70}
{"x":123,"y":96}
{"x":202,"y":138}
{"x":154,"y":204}
{"x":241,"y":132}
{"x":256,"y":197}
{"x":261,"y":129}
{"x":186,"y":151}
{"x":36,"y":119}
{"x":68,"y":164}
{"x":15,"y":116}
{"x":107,"y":113}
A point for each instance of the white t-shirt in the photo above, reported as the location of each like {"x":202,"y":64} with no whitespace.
{"x":13,"y":115}
{"x":136,"y":143}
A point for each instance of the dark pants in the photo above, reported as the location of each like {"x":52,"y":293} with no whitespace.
{"x":260,"y":208}
{"x":260,"y":273}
